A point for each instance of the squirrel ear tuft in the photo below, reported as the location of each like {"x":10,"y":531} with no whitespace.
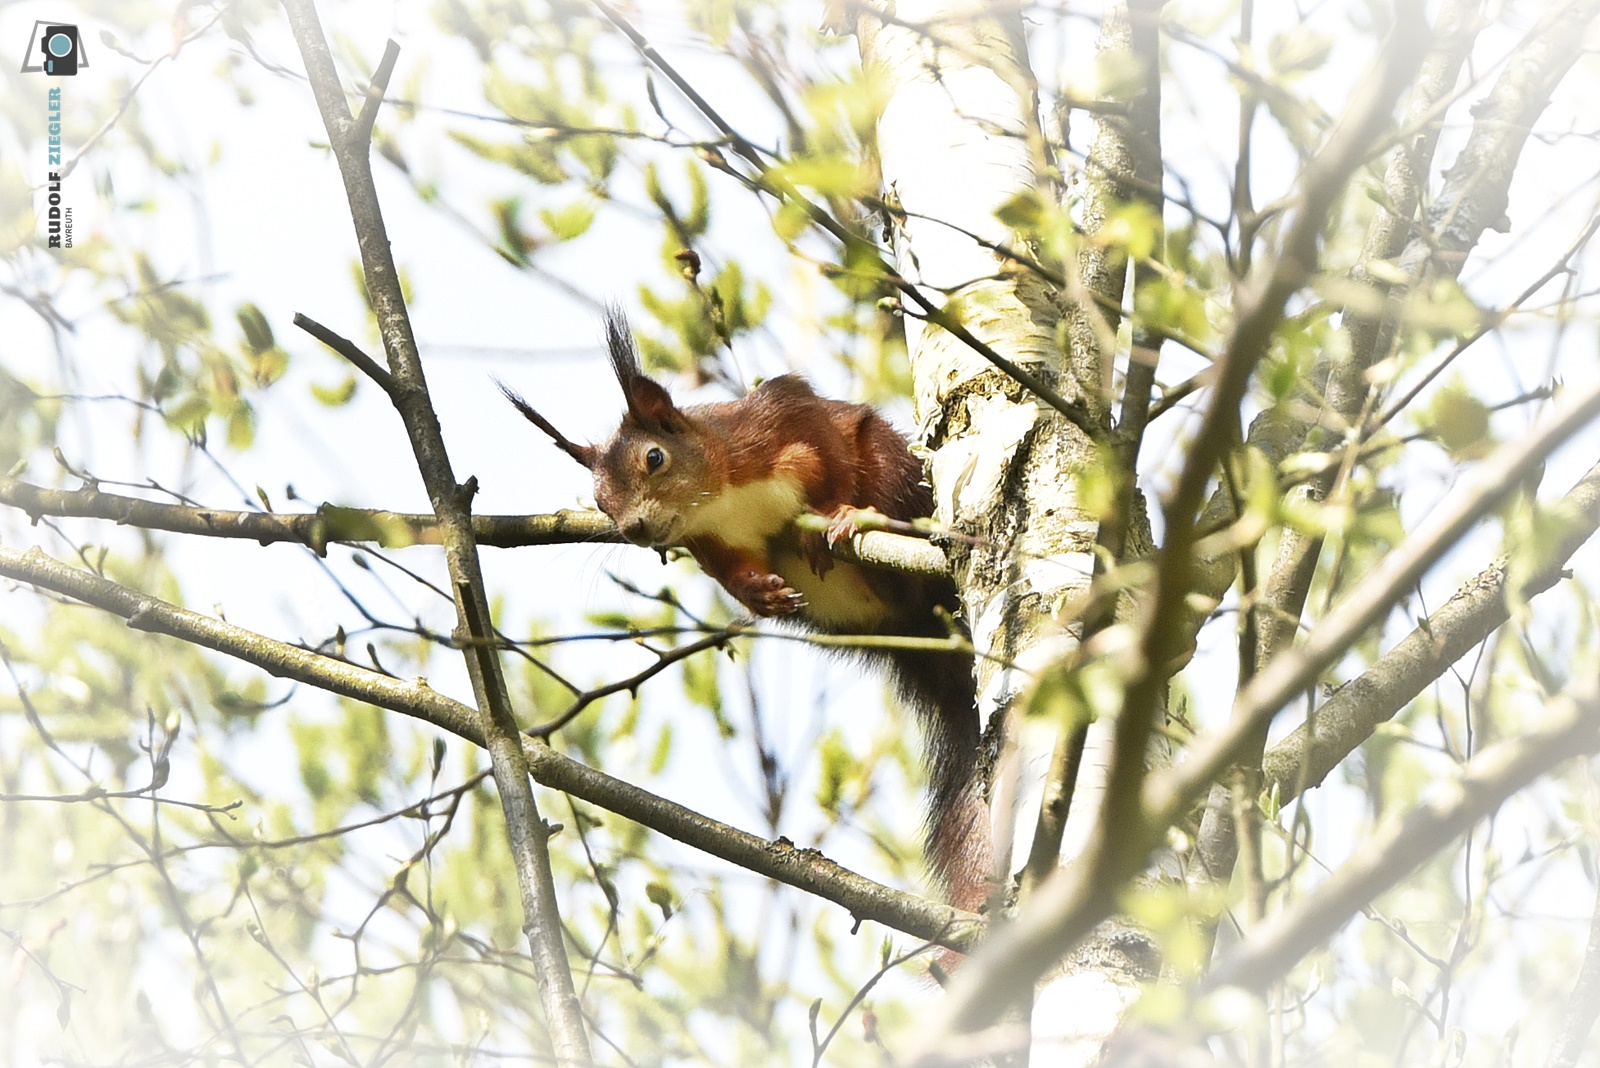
{"x":584,"y":454}
{"x":649,"y":403}
{"x":620,"y":346}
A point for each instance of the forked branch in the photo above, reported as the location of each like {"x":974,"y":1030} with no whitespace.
{"x":529,"y":834}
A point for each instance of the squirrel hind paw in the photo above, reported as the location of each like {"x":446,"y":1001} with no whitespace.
{"x":784,"y":601}
{"x":769,"y":595}
{"x":815,"y":552}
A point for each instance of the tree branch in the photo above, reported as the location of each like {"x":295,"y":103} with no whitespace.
{"x":774,"y":186}
{"x":1261,"y":310}
{"x":1487,"y":780}
{"x":347,"y":348}
{"x":1405,"y":181}
{"x":1079,"y":896}
{"x":529,"y":834}
{"x":333,"y":523}
{"x":375,"y":92}
{"x":1127,"y":153}
{"x":1480,"y":177}
{"x":780,"y":860}
{"x":1477,"y":186}
{"x":330,"y":523}
{"x":1275,"y":618}
{"x":1348,"y":718}
{"x":1584,"y":1004}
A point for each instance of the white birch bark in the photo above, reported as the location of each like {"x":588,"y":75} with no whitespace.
{"x":957,"y":139}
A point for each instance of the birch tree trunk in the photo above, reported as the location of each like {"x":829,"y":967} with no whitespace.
{"x":959,"y":140}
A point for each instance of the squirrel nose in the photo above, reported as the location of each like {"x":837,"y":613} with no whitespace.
{"x":634,"y":530}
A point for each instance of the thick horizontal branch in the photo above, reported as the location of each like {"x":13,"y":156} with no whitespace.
{"x":332,"y":523}
{"x":329,"y":523}
{"x":780,"y":860}
{"x":884,"y":548}
{"x":1487,"y":780}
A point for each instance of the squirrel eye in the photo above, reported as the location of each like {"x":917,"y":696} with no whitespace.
{"x":654,"y":459}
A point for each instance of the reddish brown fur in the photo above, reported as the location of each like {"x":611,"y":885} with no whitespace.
{"x":745,"y":469}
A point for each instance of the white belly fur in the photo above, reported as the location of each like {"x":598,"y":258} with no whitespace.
{"x":751,"y":515}
{"x":841,"y":600}
{"x":747,"y":516}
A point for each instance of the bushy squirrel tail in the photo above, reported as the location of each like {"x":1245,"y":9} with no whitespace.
{"x":939,"y":687}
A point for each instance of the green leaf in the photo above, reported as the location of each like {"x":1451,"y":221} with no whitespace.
{"x":1534,"y":533}
{"x":1135,"y":228}
{"x":354,"y":524}
{"x":790,"y":220}
{"x":1023,"y":211}
{"x":189,"y":414}
{"x":242,"y":426}
{"x":663,"y":749}
{"x":569,"y":222}
{"x":828,"y":175}
{"x":1458,"y":421}
{"x":536,"y":160}
{"x":1298,"y":50}
{"x":1059,"y":697}
{"x":660,"y":896}
{"x":1388,"y":271}
{"x":267,"y":366}
{"x":1443,"y":311}
{"x":836,"y":766}
{"x":698,"y":218}
{"x":653,"y":190}
{"x":700,"y":682}
{"x":335,"y":396}
{"x":1271,"y":803}
{"x":257,"y":331}
{"x":1174,"y":305}
{"x":311,"y":742}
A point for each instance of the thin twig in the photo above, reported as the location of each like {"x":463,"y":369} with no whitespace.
{"x":1487,"y":780}
{"x":768,"y":182}
{"x":375,"y":91}
{"x":348,"y":349}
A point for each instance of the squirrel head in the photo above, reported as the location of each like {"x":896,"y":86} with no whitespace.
{"x":654,"y":468}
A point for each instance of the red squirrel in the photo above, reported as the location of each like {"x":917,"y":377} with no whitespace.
{"x":725,"y":481}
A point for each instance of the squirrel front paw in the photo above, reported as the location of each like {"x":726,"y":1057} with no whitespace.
{"x":844,"y":522}
{"x":768,"y":595}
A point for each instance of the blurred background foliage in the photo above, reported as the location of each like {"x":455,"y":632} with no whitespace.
{"x":200,"y":864}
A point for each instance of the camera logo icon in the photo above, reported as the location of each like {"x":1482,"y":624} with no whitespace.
{"x":60,"y":47}
{"x":54,"y":48}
